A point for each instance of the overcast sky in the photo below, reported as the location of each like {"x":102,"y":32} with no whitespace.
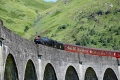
{"x":50,"y":0}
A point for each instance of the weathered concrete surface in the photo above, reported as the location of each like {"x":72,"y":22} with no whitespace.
{"x":60,"y":63}
{"x":21,"y":49}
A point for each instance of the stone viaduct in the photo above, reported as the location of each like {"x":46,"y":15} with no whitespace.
{"x":21,"y":59}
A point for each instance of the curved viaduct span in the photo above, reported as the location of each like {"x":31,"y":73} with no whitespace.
{"x":21,"y":59}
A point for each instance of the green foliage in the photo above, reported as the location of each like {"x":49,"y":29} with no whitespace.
{"x":62,"y":27}
{"x":56,"y":13}
{"x":10,"y":21}
{"x":16,"y":14}
{"x":26,"y":28}
{"x":90,"y":23}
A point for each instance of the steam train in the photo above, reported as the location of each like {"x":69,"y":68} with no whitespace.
{"x":78,"y":49}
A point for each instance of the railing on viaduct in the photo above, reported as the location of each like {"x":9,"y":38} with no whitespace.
{"x":21,"y":59}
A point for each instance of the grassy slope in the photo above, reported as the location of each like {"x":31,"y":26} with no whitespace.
{"x":91,"y":23}
{"x":17,"y":14}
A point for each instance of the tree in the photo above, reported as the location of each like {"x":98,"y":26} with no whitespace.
{"x":26,"y":28}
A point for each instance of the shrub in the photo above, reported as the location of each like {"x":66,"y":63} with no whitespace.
{"x":26,"y":29}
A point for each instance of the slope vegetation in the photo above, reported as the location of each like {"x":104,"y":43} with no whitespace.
{"x":91,"y":23}
{"x":21,"y":15}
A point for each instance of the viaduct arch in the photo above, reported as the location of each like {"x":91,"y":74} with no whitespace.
{"x":90,"y":74}
{"x":30,"y":72}
{"x":71,"y":74}
{"x":11,"y":71}
{"x":21,"y":59}
{"x":109,"y":75}
{"x":49,"y":73}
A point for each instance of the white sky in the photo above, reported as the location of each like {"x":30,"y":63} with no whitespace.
{"x":50,"y":0}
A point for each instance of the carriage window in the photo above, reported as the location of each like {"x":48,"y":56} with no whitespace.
{"x":119,"y":53}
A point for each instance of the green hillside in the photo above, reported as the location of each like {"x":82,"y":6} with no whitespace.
{"x":21,"y":15}
{"x":91,"y":23}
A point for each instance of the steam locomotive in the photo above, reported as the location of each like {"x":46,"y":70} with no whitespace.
{"x":78,"y":49}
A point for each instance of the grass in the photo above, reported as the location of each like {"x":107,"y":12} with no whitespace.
{"x":20,"y":13}
{"x":90,"y":23}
